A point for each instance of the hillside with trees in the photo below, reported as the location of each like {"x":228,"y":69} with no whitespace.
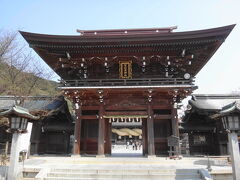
{"x":24,"y":84}
{"x":21,"y":74}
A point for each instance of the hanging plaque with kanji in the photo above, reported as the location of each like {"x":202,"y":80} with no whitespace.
{"x":125,"y":69}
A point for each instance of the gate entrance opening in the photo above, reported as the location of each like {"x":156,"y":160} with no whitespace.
{"x":127,"y":137}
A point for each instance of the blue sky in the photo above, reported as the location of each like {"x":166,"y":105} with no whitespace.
{"x":220,"y":74}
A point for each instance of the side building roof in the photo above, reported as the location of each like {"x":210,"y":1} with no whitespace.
{"x":50,"y":105}
{"x":202,"y":107}
{"x":212,"y":102}
{"x":31,"y":102}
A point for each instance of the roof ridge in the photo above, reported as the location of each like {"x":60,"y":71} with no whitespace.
{"x":126,"y":31}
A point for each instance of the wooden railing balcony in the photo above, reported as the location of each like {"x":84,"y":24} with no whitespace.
{"x":126,"y":82}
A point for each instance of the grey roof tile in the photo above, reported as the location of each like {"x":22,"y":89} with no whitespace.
{"x":213,"y":102}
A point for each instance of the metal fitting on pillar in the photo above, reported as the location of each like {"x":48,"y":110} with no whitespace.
{"x":175,"y":105}
{"x":149,"y":99}
{"x":150,"y":91}
{"x":77,"y":103}
{"x":150,"y":95}
{"x":76,"y":106}
{"x":100,"y":94}
{"x":175,"y":96}
{"x":101,"y":99}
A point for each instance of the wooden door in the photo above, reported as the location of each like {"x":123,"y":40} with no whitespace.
{"x":162,"y":129}
{"x":144,"y":137}
{"x":89,"y":135}
{"x":107,"y":137}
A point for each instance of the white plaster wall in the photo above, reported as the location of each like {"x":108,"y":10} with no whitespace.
{"x":25,"y":138}
{"x":3,"y":172}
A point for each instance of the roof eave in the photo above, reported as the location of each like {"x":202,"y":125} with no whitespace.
{"x":18,"y":111}
{"x":220,"y":31}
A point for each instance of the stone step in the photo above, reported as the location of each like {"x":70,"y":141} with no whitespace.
{"x":122,"y":178}
{"x":125,"y":170}
{"x":115,"y":174}
{"x":100,"y":162}
{"x":222,"y":177}
{"x":132,"y":175}
{"x":120,"y":173}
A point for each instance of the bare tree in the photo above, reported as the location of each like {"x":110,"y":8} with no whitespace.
{"x":19,"y":71}
{"x":6,"y":44}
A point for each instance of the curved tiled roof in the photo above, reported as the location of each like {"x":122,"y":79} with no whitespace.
{"x":18,"y":111}
{"x":201,"y":43}
{"x":213,"y":102}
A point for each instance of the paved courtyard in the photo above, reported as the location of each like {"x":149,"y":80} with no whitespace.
{"x":126,"y":151}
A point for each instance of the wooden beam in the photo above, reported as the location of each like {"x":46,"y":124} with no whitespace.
{"x":125,"y":113}
{"x":89,"y":117}
{"x":90,"y":107}
{"x":136,"y":107}
{"x":163,"y":106}
{"x":163,"y":117}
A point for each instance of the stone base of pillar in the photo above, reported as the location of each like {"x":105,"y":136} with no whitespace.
{"x":151,"y":156}
{"x":76,"y":155}
{"x":100,"y":156}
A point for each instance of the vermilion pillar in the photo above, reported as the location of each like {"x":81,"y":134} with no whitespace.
{"x":150,"y":130}
{"x":77,"y":130}
{"x":175,"y":128}
{"x":101,"y":130}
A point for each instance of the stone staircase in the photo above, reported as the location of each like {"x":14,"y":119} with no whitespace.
{"x":108,"y":173}
{"x":74,"y":168}
{"x":223,"y":175}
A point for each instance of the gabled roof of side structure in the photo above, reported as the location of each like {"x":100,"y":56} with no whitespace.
{"x":18,"y":111}
{"x":212,"y":102}
{"x":31,"y":102}
{"x":233,"y":107}
{"x":52,"y":106}
{"x":204,"y":108}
